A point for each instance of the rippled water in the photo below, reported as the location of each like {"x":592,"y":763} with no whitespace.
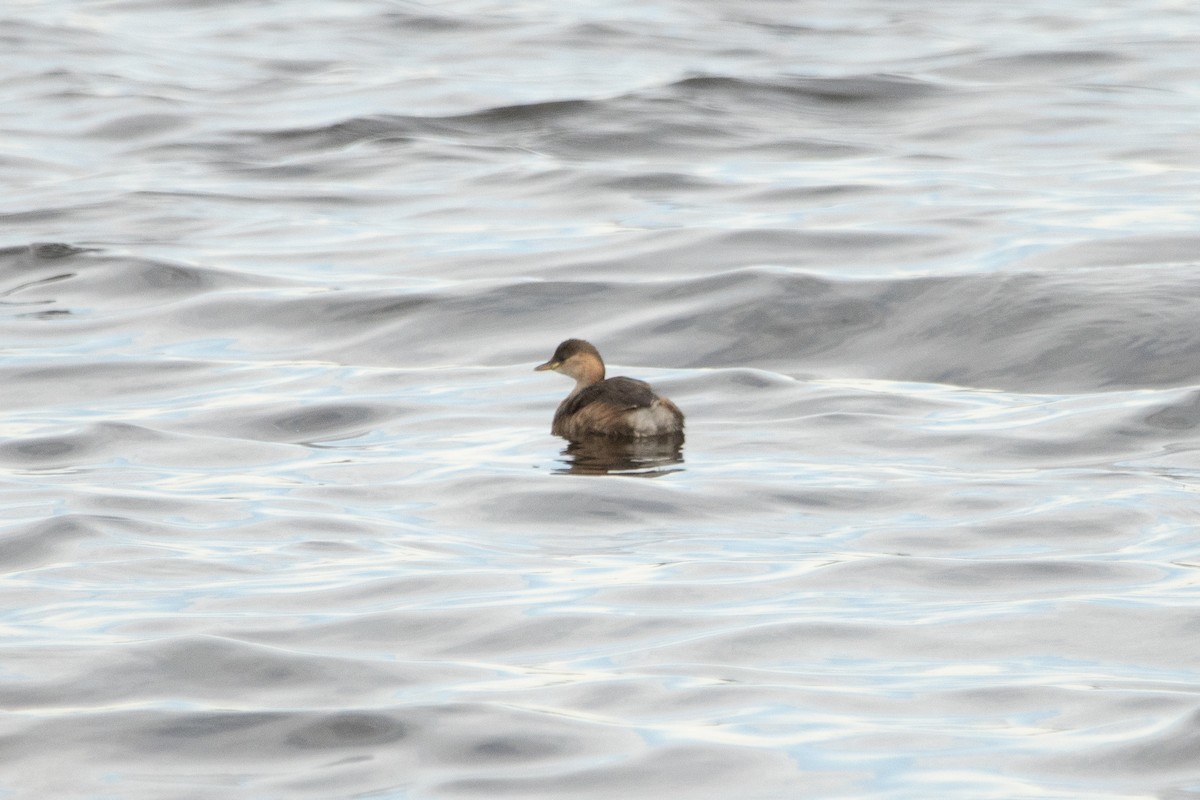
{"x":281,"y":514}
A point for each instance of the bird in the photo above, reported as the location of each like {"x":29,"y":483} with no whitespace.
{"x":616,"y":407}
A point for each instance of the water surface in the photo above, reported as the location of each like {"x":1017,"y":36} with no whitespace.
{"x":280,"y":514}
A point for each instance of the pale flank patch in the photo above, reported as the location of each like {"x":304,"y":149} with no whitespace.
{"x":653,"y":421}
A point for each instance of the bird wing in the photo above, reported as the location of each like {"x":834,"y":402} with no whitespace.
{"x":622,"y":393}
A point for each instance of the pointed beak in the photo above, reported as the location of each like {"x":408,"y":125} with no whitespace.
{"x":551,"y":364}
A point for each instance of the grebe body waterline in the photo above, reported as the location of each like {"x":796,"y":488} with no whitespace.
{"x":599,"y":406}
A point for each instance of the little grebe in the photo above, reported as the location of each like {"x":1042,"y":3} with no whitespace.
{"x":606,"y":406}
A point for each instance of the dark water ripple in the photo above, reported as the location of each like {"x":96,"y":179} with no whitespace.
{"x":280,"y":515}
{"x":1091,"y":330}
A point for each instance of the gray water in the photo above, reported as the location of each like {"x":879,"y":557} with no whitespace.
{"x":281,"y":513}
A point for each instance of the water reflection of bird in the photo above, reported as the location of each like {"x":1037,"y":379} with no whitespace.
{"x":643,"y":457}
{"x":614,"y":407}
